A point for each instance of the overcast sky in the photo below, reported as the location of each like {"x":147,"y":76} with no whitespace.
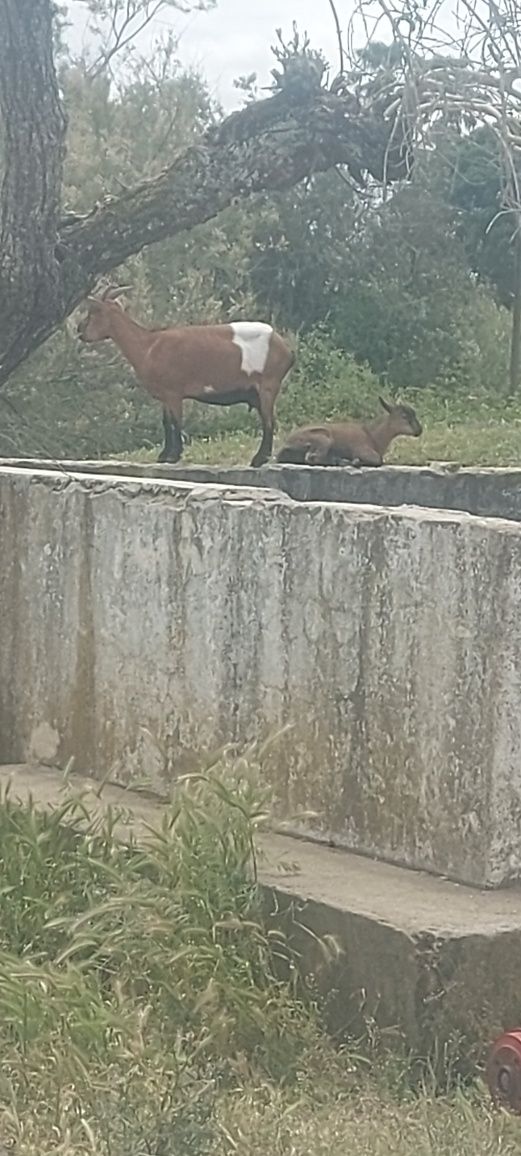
{"x":235,"y":38}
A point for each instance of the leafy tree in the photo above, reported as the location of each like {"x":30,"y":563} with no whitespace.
{"x":486,"y":229}
{"x":461,"y":69}
{"x":300,"y":244}
{"x":409,"y":304}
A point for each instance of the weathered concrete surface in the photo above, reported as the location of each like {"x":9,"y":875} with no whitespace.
{"x":146,"y":624}
{"x":425,"y":957}
{"x":485,"y":492}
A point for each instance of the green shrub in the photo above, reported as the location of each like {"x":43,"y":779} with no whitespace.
{"x":326,"y":383}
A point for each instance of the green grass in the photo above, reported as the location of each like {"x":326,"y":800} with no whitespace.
{"x":467,"y":444}
{"x":481,"y":436}
{"x":141,"y":1013}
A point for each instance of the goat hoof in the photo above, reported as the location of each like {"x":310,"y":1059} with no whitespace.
{"x":256,"y":462}
{"x":170,"y":459}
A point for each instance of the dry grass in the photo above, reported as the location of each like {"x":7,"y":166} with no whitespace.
{"x":369,"y":1122}
{"x":143,"y":1106}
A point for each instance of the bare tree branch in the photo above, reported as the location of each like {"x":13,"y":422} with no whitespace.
{"x":338,"y":30}
{"x":118,"y":24}
{"x":123,"y":34}
{"x":479,"y":61}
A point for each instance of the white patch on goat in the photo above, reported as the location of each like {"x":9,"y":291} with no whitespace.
{"x":253,"y":340}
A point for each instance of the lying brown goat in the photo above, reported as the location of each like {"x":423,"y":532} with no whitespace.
{"x":359,"y":443}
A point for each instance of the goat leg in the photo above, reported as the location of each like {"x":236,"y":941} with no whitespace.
{"x":265,"y":406}
{"x":173,"y":447}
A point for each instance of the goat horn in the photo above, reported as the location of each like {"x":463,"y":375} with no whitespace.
{"x":115,"y":291}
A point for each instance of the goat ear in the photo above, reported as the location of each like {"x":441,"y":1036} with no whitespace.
{"x":386,"y":405}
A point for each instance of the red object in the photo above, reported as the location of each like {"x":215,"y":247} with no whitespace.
{"x":504,"y":1071}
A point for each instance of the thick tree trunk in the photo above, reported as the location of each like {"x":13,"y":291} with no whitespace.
{"x":515,"y":339}
{"x":47,"y":265}
{"x":34,"y":130}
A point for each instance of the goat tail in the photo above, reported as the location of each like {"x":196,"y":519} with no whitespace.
{"x":292,"y":360}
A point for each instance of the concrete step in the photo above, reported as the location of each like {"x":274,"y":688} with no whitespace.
{"x":430,"y":959}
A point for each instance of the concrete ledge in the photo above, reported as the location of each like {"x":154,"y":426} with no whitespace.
{"x":484,"y":492}
{"x":437,"y":962}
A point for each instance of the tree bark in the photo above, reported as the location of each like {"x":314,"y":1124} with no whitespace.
{"x":515,"y":338}
{"x":48,"y":265}
{"x":34,"y":132}
{"x":268,"y":146}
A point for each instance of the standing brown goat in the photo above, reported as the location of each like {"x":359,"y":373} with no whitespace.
{"x":361,"y":444}
{"x":245,"y":361}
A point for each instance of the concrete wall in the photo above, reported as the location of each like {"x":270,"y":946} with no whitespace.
{"x":145,"y":624}
{"x":487,"y":492}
